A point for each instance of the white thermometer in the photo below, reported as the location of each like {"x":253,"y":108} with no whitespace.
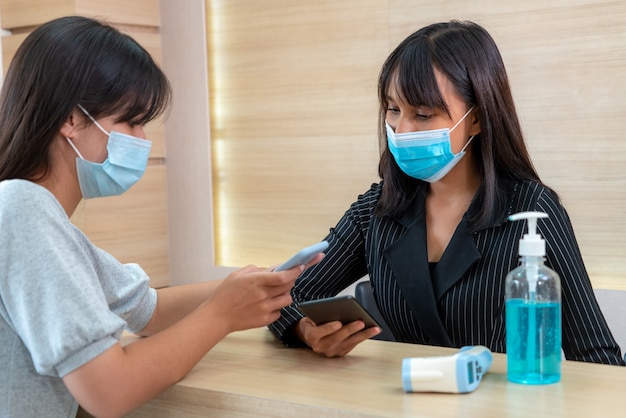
{"x":458,"y":373}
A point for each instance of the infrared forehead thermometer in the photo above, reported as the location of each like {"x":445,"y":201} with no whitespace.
{"x":458,"y":373}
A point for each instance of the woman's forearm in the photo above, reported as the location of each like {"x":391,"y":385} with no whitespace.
{"x":176,"y":302}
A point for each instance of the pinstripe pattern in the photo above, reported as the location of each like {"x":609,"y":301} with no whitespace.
{"x":463,"y":302}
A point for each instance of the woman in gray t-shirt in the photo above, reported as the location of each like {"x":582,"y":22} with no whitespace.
{"x":72,"y":110}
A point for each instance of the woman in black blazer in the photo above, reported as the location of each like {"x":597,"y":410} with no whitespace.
{"x":434,"y":235}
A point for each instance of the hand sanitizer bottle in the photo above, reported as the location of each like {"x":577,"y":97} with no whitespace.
{"x":533,"y":312}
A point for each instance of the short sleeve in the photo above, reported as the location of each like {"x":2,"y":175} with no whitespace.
{"x":60,"y":294}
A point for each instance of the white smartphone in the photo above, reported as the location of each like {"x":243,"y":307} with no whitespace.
{"x":303,"y":256}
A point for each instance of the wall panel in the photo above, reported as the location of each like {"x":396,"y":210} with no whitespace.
{"x":293,"y":95}
{"x":28,"y":13}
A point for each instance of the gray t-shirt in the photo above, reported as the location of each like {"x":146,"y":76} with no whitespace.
{"x":63,"y":301}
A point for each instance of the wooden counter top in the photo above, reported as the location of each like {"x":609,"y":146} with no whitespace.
{"x":250,"y":374}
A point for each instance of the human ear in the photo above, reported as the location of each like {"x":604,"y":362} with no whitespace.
{"x":474,"y":123}
{"x":70,"y":125}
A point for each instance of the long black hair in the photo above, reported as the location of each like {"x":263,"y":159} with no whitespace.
{"x":467,"y":55}
{"x":65,"y":62}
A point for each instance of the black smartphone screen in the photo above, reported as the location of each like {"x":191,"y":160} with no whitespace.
{"x":340,"y":308}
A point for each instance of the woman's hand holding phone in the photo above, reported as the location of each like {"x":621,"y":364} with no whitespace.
{"x":343,"y":324}
{"x":333,"y":339}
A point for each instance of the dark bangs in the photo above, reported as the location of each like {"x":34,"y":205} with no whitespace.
{"x":148,"y":98}
{"x":410,"y":67}
{"x":128,"y":83}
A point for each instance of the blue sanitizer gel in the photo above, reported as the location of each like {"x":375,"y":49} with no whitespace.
{"x":533,"y":341}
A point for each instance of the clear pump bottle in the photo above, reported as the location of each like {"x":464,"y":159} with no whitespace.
{"x":533,"y":312}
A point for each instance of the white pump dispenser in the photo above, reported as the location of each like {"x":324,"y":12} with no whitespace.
{"x":533,"y":311}
{"x":531,"y":245}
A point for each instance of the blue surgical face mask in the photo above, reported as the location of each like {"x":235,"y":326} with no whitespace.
{"x":425,"y":155}
{"x":125,"y":164}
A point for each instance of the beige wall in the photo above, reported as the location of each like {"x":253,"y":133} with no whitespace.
{"x":293,"y":94}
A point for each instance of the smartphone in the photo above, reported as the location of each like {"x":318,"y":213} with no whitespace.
{"x":340,"y":308}
{"x":303,"y":256}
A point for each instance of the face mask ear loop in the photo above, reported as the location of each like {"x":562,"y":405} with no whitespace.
{"x":94,"y":121}
{"x":75,"y":149}
{"x":457,"y":124}
{"x":467,"y":144}
{"x":460,"y":120}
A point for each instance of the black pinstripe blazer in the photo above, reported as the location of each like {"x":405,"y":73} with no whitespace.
{"x":463,"y":302}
